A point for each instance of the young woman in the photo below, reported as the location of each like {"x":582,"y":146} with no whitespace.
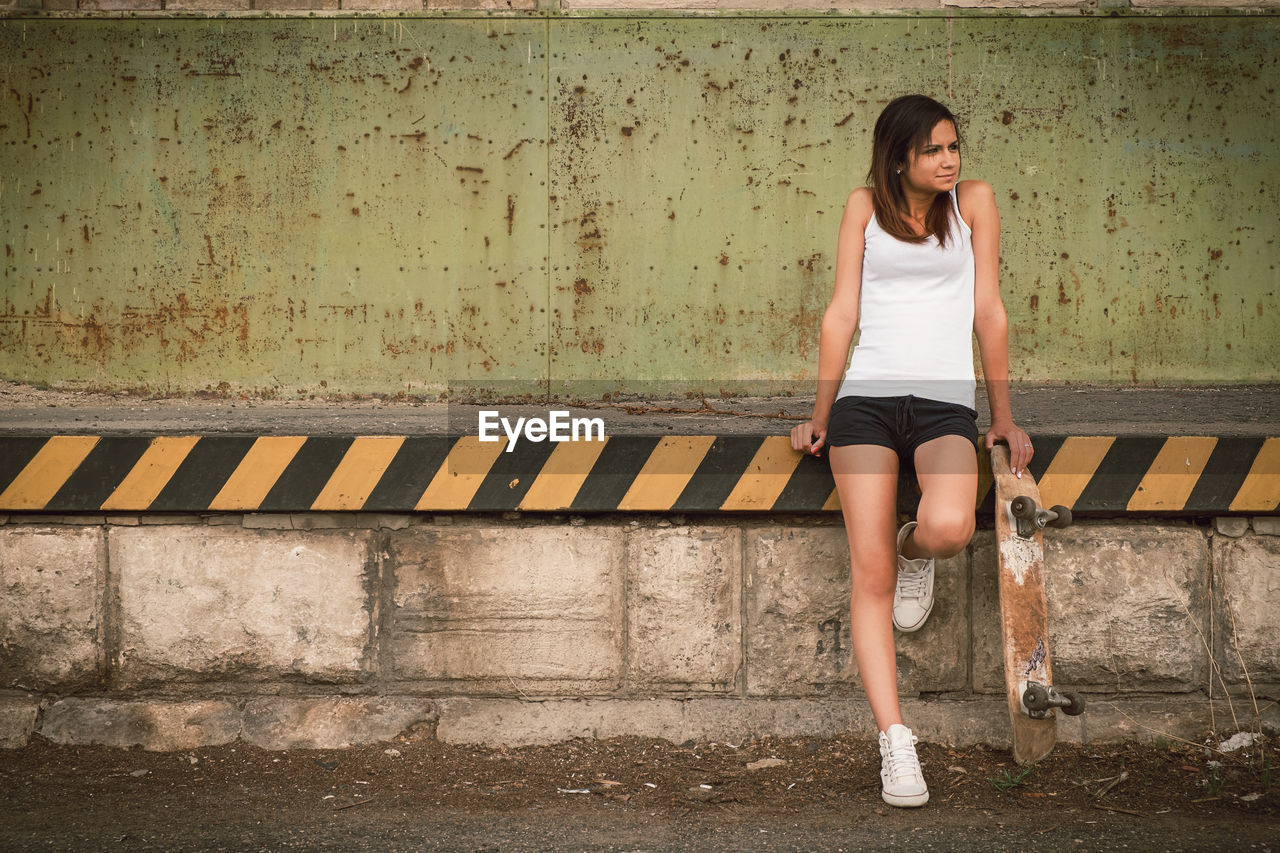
{"x":916,"y":272}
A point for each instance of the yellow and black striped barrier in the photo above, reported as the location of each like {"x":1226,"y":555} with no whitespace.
{"x":1111,"y":475}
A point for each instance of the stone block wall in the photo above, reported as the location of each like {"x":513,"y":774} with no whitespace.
{"x":324,"y":630}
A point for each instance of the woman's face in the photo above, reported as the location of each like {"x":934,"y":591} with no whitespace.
{"x":935,"y":168}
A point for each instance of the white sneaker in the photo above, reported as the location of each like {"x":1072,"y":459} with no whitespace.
{"x":903,"y":783}
{"x":913,"y":597}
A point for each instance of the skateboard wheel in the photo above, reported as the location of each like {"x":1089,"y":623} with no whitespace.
{"x":1064,"y":516}
{"x":1074,"y":706}
{"x":1036,"y":699}
{"x":1022,"y":507}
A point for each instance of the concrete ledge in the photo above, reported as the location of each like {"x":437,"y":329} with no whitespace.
{"x":337,"y":722}
{"x":157,"y":726}
{"x":332,"y":722}
{"x":950,"y":722}
{"x":17,"y":722}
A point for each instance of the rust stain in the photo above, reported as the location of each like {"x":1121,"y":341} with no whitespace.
{"x":101,"y":328}
{"x":26,"y":111}
{"x":589,"y":237}
{"x":242,"y":314}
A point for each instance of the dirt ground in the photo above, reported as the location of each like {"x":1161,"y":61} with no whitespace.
{"x":633,"y":794}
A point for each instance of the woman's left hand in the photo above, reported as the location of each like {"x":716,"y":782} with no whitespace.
{"x":1020,"y":449}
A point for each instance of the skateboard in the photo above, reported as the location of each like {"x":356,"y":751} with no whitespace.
{"x":1028,"y":672}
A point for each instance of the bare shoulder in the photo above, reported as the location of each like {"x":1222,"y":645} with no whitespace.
{"x":976,"y":199}
{"x":978,"y":192}
{"x":859,"y":207}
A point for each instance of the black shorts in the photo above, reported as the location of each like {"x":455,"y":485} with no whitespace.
{"x":899,"y":423}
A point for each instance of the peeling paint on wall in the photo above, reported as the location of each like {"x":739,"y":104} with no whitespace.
{"x":309,"y":206}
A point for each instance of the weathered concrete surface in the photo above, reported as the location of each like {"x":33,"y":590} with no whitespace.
{"x":493,"y":721}
{"x":335,"y":722}
{"x":497,"y":631}
{"x":509,"y":609}
{"x":332,"y":722}
{"x":987,"y":647}
{"x":153,"y":724}
{"x":951,"y":722}
{"x":1246,"y":602}
{"x":684,"y":608}
{"x":797,"y":608}
{"x":470,"y":720}
{"x":17,"y":722}
{"x":461,"y":196}
{"x":1231,"y":526}
{"x":51,"y":592}
{"x":1127,"y":608}
{"x":217,"y":603}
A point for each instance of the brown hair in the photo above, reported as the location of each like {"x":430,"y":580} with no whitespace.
{"x":903,"y":129}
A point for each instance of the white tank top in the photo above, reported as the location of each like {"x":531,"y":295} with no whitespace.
{"x":916,"y":317}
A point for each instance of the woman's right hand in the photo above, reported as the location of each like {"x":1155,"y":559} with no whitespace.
{"x":809,"y":437}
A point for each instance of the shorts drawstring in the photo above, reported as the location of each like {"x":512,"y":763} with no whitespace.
{"x":905,"y":416}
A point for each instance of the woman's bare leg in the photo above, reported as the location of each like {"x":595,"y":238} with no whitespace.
{"x":866,"y":478}
{"x":947,"y":470}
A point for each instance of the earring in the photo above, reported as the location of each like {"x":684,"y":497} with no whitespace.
{"x":898,"y":172}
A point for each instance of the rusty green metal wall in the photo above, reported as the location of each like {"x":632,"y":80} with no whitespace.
{"x":312,"y":206}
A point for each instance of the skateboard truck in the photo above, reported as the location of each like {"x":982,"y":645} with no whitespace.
{"x":1030,"y":518}
{"x":1041,"y":699}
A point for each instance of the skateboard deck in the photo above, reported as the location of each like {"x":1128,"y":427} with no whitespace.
{"x":1024,"y":611}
